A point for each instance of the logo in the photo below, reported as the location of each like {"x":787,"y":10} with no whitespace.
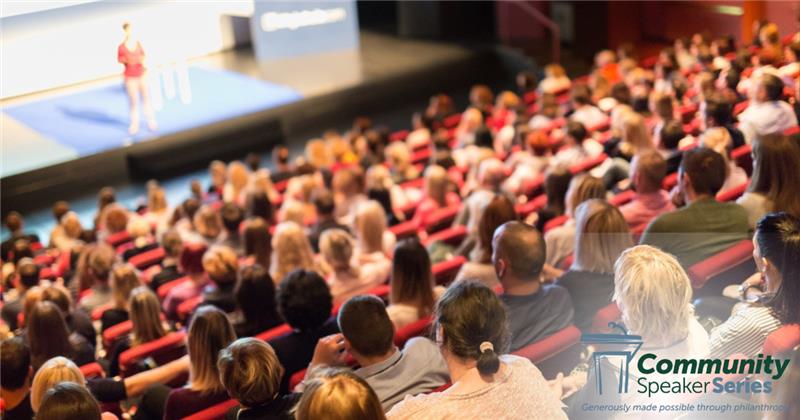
{"x":622,"y":346}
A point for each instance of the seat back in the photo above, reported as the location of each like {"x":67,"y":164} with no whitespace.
{"x":588,"y":164}
{"x":404,"y":230}
{"x":452,"y":236}
{"x":119,"y":238}
{"x":164,"y":289}
{"x":441,"y":219}
{"x":296,"y":378}
{"x":733,"y":193}
{"x":605,"y":316}
{"x":274,"y":332}
{"x":148,"y":258}
{"x":559,"y":352}
{"x":741,"y":155}
{"x":92,"y":370}
{"x":782,"y":340}
{"x":727,"y":267}
{"x":115,"y":332}
{"x":622,"y":198}
{"x":215,"y":412}
{"x":535,"y":204}
{"x":415,"y":329}
{"x":555,"y":222}
{"x":164,"y":350}
{"x":188,"y":306}
{"x":445,"y":271}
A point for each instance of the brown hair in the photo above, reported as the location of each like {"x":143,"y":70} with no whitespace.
{"x":776,"y":172}
{"x":653,"y":168}
{"x":436,"y":184}
{"x":258,"y":241}
{"x":412,"y":278}
{"x":221,"y":264}
{"x":497,"y":212}
{"x":47,"y":333}
{"x":123,"y":280}
{"x":582,"y":188}
{"x":115,"y":218}
{"x":207,"y":222}
{"x":145,"y":314}
{"x":209,"y":332}
{"x":250,"y":371}
{"x":601,"y":236}
{"x":339,"y":394}
{"x":370,"y":224}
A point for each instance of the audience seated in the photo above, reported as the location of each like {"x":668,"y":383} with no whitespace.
{"x":601,"y":236}
{"x":232,"y":217}
{"x":718,"y":140}
{"x":346,"y":278}
{"x":323,"y":203}
{"x":767,"y":114}
{"x":577,"y":147}
{"x":555,"y":79}
{"x":584,"y":111}
{"x":561,"y":240}
{"x":251,"y":374}
{"x":290,"y":251}
{"x":25,"y":278}
{"x":221,"y":265}
{"x":373,"y":240}
{"x":17,"y":375}
{"x":77,"y":320}
{"x":57,"y":370}
{"x":145,"y":315}
{"x":774,"y":183}
{"x":490,"y":177}
{"x":67,"y":401}
{"x":774,"y":299}
{"x":305,"y":303}
{"x":170,"y":269}
{"x":413,"y":294}
{"x":368,"y":335}
{"x":192,"y":266}
{"x":471,"y":333}
{"x":704,"y":226}
{"x":99,"y":263}
{"x":479,"y":267}
{"x":669,"y":147}
{"x":535,"y":310}
{"x":648,"y":170}
{"x":437,"y":194}
{"x":16,"y":226}
{"x":338,"y":394}
{"x":123,"y":280}
{"x":139,"y":230}
{"x":257,"y":242}
{"x":255,"y":300}
{"x":48,"y":336}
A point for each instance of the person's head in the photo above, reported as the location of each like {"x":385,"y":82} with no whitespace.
{"x":776,"y":171}
{"x":336,"y":246}
{"x":68,"y":401}
{"x":548,"y":105}
{"x":257,"y":204}
{"x":701,"y":173}
{"x":258,"y":241}
{"x":348,"y":182}
{"x":232,"y":216}
{"x":648,"y":170}
{"x":53,"y":372}
{"x":209,"y":332}
{"x":280,"y":155}
{"x":370,"y":224}
{"x":671,"y":135}
{"x":556,"y":185}
{"x":719,"y":112}
{"x":601,"y":234}
{"x":471,"y":326}
{"x":71,"y":224}
{"x":124,"y":279}
{"x":338,"y":394}
{"x":621,"y":93}
{"x":191,"y":260}
{"x":304,"y":300}
{"x":399,"y":156}
{"x":47,"y":333}
{"x":776,"y":253}
{"x":537,"y":142}
{"x":323,"y":202}
{"x":491,"y":173}
{"x":100,"y":261}
{"x":138,"y":227}
{"x":105,"y":196}
{"x":291,"y":250}
{"x":238,"y":175}
{"x":156,"y":200}
{"x":576,"y":132}
{"x":481,"y":96}
{"x":661,"y":105}
{"x":250,"y":372}
{"x":207,"y":222}
{"x":769,"y":88}
{"x":221,"y":264}
{"x":15,"y":365}
{"x":436,"y":183}
{"x":116,"y":218}
{"x":499,"y":211}
{"x":719,"y":140}
{"x":769,"y":34}
{"x":635,"y":133}
{"x":172,"y":243}
{"x":654,"y":294}
{"x":27,"y":273}
{"x":412,"y":278}
{"x":14,"y":222}
{"x":189,"y":208}
{"x":581,"y":95}
{"x":368,"y":332}
{"x":554,"y":70}
{"x":60,"y":208}
{"x":255,"y":295}
{"x":145,"y":314}
{"x":518,"y":253}
{"x":581,"y":188}
{"x":526,"y":81}
{"x":218,"y":172}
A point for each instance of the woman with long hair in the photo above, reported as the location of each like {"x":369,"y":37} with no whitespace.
{"x":372,"y":236}
{"x":191,"y":265}
{"x":601,"y":236}
{"x":292,"y":250}
{"x":255,"y":299}
{"x":413,"y":293}
{"x":436,"y":194}
{"x":145,"y":315}
{"x":257,"y":242}
{"x":560,"y":241}
{"x":124,"y":279}
{"x":221,"y":264}
{"x":48,"y":337}
{"x":773,"y":186}
{"x":131,"y":54}
{"x":346,"y":279}
{"x":471,"y":330}
{"x":479,"y":267}
{"x":53,"y":372}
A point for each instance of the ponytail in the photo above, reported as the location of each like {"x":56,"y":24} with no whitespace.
{"x":488,"y":361}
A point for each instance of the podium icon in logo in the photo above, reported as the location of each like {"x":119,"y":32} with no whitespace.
{"x":622,"y":346}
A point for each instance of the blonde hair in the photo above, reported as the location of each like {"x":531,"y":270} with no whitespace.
{"x":318,"y":154}
{"x":338,"y":394}
{"x":221,"y":264}
{"x":719,"y":140}
{"x":250,"y":371}
{"x":436,"y":184}
{"x":138,"y":227}
{"x":292,"y":211}
{"x":145,"y":315}
{"x":654,"y":294}
{"x":581,"y":188}
{"x":601,"y":236}
{"x":370,"y":224}
{"x":507,"y":100}
{"x":348,"y":181}
{"x":123,"y":280}
{"x":336,"y":246}
{"x":238,"y":176}
{"x":209,"y":332}
{"x":72,"y":225}
{"x":207,"y":222}
{"x":54,"y":371}
{"x":635,"y":133}
{"x":399,"y":156}
{"x":554,"y":70}
{"x":292,"y":250}
{"x":156,"y":200}
{"x":378,"y":177}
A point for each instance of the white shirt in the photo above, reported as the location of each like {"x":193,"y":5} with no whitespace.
{"x":589,"y":116}
{"x":766,"y":118}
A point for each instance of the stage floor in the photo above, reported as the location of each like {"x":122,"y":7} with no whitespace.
{"x":63,"y":124}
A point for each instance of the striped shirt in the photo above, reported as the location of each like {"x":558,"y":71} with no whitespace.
{"x":744,"y":332}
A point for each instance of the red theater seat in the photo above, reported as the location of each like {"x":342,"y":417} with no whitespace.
{"x":164,"y":289}
{"x":604,"y":316}
{"x":296,"y":378}
{"x":97,"y":312}
{"x":415,"y":184}
{"x":782,"y":340}
{"x":215,"y":412}
{"x":730,"y":266}
{"x":445,"y":271}
{"x":415,"y":329}
{"x":733,"y":193}
{"x":421,"y":156}
{"x":381,"y":291}
{"x":743,"y":158}
{"x":92,"y":370}
{"x":451,"y":236}
{"x":555,"y":222}
{"x":441,"y":219}
{"x":559,"y":352}
{"x":670,"y":181}
{"x":274,"y":332}
{"x":404,"y":230}
{"x":536,"y":204}
{"x":188,"y":306}
{"x":164,"y":350}
{"x":119,"y":238}
{"x":622,"y":198}
{"x":588,"y":164}
{"x":147,"y":259}
{"x":531,"y":187}
{"x":399,"y":135}
{"x":452,"y":121}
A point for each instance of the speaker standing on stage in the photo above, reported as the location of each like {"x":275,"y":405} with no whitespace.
{"x":131,"y":55}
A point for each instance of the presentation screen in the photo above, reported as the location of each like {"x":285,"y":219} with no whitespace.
{"x":297,"y":28}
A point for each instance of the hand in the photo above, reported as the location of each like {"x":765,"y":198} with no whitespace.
{"x":329,"y":351}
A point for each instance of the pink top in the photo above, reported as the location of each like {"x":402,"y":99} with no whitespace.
{"x":131,"y":59}
{"x":644,"y":208}
{"x":429,"y":205}
{"x":180,"y":294}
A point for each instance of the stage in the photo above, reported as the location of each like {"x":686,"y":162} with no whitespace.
{"x":60,"y":142}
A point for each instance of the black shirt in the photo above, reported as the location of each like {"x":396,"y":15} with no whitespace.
{"x":79,"y":322}
{"x":166,"y":275}
{"x":111,"y":317}
{"x":107,"y":389}
{"x":11,"y":311}
{"x":278,"y":409}
{"x":8,"y":245}
{"x":132,"y":252}
{"x":589,"y":291}
{"x":294,"y":350}
{"x":22,"y":411}
{"x":221,"y":296}
{"x":322,"y":226}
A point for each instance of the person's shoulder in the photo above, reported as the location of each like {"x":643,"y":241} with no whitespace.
{"x":421,"y":345}
{"x":412,"y":406}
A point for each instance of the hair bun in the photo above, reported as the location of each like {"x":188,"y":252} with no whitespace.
{"x":488,"y":361}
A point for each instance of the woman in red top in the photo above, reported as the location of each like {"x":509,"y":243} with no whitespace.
{"x":131,"y":55}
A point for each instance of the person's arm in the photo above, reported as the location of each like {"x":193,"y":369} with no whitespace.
{"x":137,"y":384}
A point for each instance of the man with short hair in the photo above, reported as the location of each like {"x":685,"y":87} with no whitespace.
{"x":232,"y":217}
{"x":535,"y":310}
{"x":173,"y":245}
{"x":368,"y":335}
{"x":16,"y":375}
{"x":99,"y":264}
{"x":323,"y":202}
{"x":703,"y":227}
{"x":585,"y":111}
{"x":719,"y":113}
{"x":768,"y":114}
{"x":648,"y":170}
{"x":577,"y":147}
{"x":15,"y":225}
{"x":25,"y":277}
